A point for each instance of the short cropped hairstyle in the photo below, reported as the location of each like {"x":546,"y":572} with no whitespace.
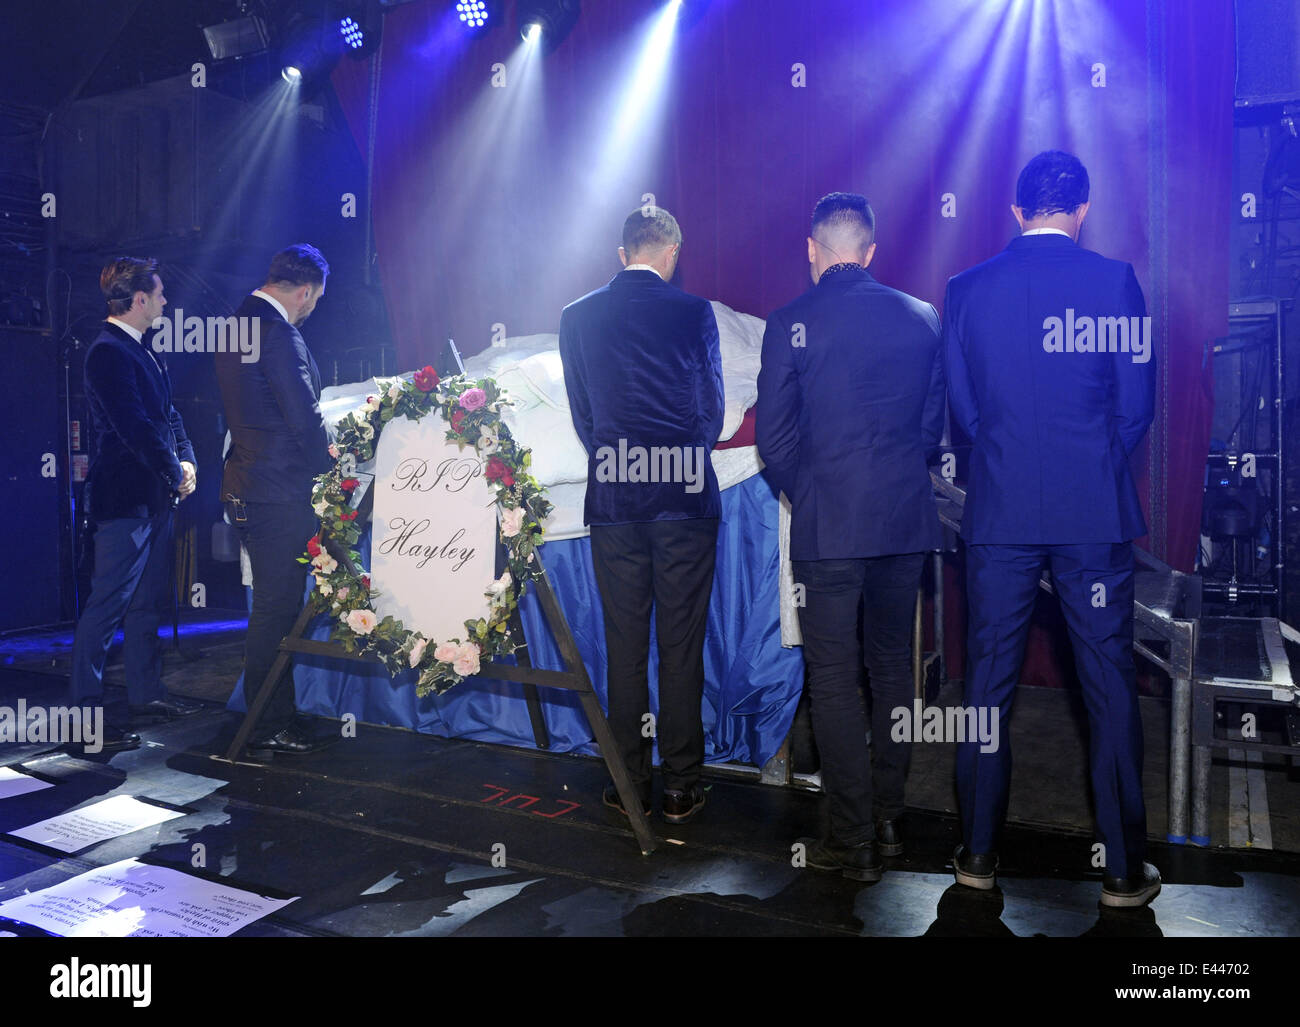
{"x":650,"y":228}
{"x":123,"y":278}
{"x":839,"y":211}
{"x":1054,"y":182}
{"x":298,"y":265}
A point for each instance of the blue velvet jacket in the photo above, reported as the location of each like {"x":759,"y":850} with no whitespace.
{"x":1052,"y":430}
{"x":138,"y":439}
{"x":643,"y":373}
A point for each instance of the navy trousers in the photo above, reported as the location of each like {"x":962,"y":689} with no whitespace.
{"x":128,"y":589}
{"x":1094,"y":583}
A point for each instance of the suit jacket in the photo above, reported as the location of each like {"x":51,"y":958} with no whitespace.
{"x":642,"y":369}
{"x":138,"y":439}
{"x":850,"y":398}
{"x":279,"y":442}
{"x":1052,"y":431}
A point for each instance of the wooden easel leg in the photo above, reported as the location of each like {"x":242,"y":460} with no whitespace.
{"x":595,"y":715}
{"x":273,"y":679}
{"x":541,"y":737}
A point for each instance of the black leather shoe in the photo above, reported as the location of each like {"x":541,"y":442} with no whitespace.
{"x":165,"y":709}
{"x":680,"y":806}
{"x":975,"y":869}
{"x":611,"y":799}
{"x":889,"y":842}
{"x":290,"y":741}
{"x":1128,"y":892}
{"x":856,"y":862}
{"x":113,"y":739}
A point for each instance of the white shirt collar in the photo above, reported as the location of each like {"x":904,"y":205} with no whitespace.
{"x":642,"y":267}
{"x":1046,"y":231}
{"x":274,"y":302}
{"x":135,"y":333}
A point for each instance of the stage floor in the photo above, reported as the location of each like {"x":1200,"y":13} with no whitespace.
{"x":393,"y":834}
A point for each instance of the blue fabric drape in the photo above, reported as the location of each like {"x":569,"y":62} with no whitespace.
{"x":751,"y":685}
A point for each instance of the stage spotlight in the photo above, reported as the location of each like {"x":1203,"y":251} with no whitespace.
{"x":291,"y":74}
{"x":546,"y":21}
{"x":353,"y":35}
{"x":478,"y":16}
{"x":242,"y":37}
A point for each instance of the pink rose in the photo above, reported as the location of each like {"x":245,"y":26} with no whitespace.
{"x":512,"y":522}
{"x":446,"y":652}
{"x":362,"y":621}
{"x":472,"y":399}
{"x":343,"y":593}
{"x":417,"y":651}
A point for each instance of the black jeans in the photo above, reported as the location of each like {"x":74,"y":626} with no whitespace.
{"x":275,"y":535}
{"x":862,"y":784}
{"x":669,"y":563}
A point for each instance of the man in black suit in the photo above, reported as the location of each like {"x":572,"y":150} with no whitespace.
{"x":850,"y":398}
{"x":643,"y":373}
{"x":1051,"y":375}
{"x":141,"y":465}
{"x":279,"y":443}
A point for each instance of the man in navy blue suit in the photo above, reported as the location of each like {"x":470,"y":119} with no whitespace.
{"x":850,"y":398}
{"x":643,"y":373}
{"x":1050,"y":374}
{"x":141,"y":464}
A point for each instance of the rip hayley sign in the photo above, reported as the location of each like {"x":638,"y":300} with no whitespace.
{"x":433,"y":530}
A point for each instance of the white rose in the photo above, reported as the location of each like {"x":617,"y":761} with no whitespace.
{"x":395,"y":390}
{"x":324,"y":586}
{"x":325,"y":563}
{"x":499,"y":587}
{"x":488,"y":443}
{"x":320,"y":508}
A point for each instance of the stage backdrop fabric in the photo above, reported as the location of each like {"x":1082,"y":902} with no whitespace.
{"x":495,"y":205}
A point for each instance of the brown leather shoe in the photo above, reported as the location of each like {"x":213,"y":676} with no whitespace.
{"x":680,"y":806}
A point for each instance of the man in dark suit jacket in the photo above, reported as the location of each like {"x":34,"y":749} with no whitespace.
{"x":644,"y":377}
{"x":1050,"y":374}
{"x":279,"y":443}
{"x":850,"y":398}
{"x":141,"y":464}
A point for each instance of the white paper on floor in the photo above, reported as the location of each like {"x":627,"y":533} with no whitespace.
{"x":109,"y":818}
{"x":133,"y":899}
{"x":13,"y":783}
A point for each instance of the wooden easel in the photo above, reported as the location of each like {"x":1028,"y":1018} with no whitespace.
{"x":574,"y":677}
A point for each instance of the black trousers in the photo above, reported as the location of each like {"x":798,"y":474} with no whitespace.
{"x":275,"y":535}
{"x":667,"y":564}
{"x":861,"y":784}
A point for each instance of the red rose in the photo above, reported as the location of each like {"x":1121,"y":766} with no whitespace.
{"x":313,"y":545}
{"x":457,"y":416}
{"x":426,"y":379}
{"x":348,"y":484}
{"x":365,"y":581}
{"x":498,"y":470}
{"x":350,"y":515}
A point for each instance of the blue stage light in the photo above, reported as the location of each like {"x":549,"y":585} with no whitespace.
{"x":352,"y":33}
{"x":474,"y":13}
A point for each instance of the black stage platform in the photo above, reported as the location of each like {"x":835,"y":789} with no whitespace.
{"x":393,"y":834}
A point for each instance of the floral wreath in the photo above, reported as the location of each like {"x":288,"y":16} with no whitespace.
{"x":472,"y":409}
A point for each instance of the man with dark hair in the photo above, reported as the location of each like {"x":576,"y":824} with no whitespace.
{"x":644,"y":377}
{"x":1054,"y":413}
{"x":279,"y":443}
{"x":141,"y":465}
{"x":850,"y":398}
